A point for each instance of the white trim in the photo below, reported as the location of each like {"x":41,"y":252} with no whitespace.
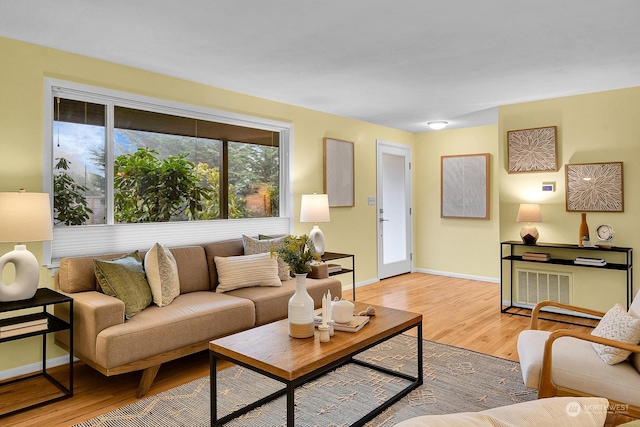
{"x":34,"y":367}
{"x":459,"y":276}
{"x":112,"y":238}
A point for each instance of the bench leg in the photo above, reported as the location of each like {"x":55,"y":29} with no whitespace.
{"x":148,"y":375}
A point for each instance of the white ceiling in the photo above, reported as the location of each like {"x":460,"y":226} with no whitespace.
{"x":396,"y":63}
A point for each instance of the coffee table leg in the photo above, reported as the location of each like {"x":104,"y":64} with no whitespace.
{"x":213,"y":368}
{"x":290,"y":405}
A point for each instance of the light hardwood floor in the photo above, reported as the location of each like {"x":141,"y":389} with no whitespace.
{"x":459,"y":312}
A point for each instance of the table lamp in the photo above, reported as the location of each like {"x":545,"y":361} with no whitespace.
{"x":315,"y":208}
{"x":529,"y":212}
{"x":24,"y":217}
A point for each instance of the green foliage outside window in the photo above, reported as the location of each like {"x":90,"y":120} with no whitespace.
{"x":69,"y":201}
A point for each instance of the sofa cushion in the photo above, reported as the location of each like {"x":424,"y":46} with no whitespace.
{"x":551,"y":412}
{"x":162,"y":274}
{"x":272,"y":304}
{"x":231,"y":247}
{"x":257,"y":246}
{"x":617,"y":325}
{"x":77,"y":274}
{"x":577,"y":366}
{"x":124,"y":279}
{"x":191,"y":318}
{"x":246,"y":271}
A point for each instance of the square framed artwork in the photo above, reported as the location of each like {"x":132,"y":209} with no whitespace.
{"x":464,"y":186}
{"x":532,"y":150}
{"x":339,"y":177}
{"x":594,"y":187}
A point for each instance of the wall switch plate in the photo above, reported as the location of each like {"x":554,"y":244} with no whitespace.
{"x":372,"y":200}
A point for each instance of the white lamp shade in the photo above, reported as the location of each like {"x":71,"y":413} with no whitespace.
{"x":25,"y":217}
{"x":529,"y":212}
{"x":314,"y":208}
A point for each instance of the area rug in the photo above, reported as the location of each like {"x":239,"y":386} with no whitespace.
{"x":455,"y":380}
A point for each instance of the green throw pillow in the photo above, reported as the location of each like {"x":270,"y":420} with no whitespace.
{"x":124,"y":279}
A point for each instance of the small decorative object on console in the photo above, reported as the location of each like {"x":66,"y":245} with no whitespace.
{"x":605,"y":233}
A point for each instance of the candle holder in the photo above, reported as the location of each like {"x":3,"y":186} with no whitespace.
{"x":324,"y":333}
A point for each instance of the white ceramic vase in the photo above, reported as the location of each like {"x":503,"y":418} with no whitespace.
{"x":301,"y":310}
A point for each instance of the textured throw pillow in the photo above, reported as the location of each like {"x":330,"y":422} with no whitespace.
{"x":246,"y":271}
{"x":162,"y":274}
{"x":124,"y":279}
{"x":254,"y":246}
{"x":617,"y":325}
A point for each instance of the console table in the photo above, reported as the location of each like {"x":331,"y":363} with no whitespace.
{"x":44,"y":297}
{"x":512,"y":251}
{"x":331,"y":256}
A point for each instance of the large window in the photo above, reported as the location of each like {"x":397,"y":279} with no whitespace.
{"x":117,"y":159}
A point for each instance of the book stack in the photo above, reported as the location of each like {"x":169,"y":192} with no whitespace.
{"x":536,"y":256}
{"x":334,"y":268}
{"x":13,"y":329}
{"x":598,"y":262}
{"x":354,"y":325}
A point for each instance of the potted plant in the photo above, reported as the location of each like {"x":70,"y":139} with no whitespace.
{"x":298,"y":252}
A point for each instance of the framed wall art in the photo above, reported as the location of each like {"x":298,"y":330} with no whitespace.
{"x":594,"y":187}
{"x":532,"y":150}
{"x":339,"y":178}
{"x":465,"y":186}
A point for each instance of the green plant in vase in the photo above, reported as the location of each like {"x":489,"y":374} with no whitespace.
{"x":297,"y":252}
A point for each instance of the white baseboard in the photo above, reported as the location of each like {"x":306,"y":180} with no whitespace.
{"x":34,"y":367}
{"x":459,"y":276}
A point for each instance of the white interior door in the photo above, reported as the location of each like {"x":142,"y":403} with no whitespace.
{"x":394,"y":209}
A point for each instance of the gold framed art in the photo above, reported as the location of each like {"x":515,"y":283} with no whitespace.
{"x":532,"y":150}
{"x":464,"y":186}
{"x":339,"y":176}
{"x":594,"y":187}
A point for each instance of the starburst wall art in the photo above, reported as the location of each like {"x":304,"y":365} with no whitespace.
{"x":594,"y":187}
{"x":532,"y":150}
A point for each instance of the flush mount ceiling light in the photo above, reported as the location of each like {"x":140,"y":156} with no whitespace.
{"x":437,"y":124}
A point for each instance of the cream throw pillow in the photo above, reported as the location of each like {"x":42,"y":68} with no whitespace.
{"x":162,"y":274}
{"x":246,"y":271}
{"x":617,"y":325}
{"x":255,"y":246}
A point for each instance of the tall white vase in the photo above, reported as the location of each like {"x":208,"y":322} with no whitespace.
{"x":301,"y":310}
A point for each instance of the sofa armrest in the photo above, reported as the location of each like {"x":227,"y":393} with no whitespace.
{"x":92,"y":313}
{"x":536,"y":311}
{"x":547,"y":387}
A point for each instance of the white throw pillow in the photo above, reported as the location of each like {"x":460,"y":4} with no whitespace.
{"x":617,"y":325}
{"x":162,"y":274}
{"x":246,"y":271}
{"x":256,"y":246}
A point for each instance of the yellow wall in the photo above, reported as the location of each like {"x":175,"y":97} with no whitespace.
{"x":461,"y":246}
{"x":25,"y":66}
{"x":592,"y":128}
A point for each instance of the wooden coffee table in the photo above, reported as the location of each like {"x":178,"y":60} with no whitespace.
{"x":270,"y":351}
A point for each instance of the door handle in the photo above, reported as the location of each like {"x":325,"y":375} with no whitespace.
{"x":383,"y":220}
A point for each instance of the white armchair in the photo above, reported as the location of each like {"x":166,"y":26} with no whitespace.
{"x":564,"y":363}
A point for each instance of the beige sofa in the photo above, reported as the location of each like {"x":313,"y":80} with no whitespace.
{"x":112,"y":345}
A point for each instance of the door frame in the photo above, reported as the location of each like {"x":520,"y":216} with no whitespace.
{"x":409,"y":197}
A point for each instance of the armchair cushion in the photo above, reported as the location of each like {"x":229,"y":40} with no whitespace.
{"x":577,"y":366}
{"x":617,"y":325}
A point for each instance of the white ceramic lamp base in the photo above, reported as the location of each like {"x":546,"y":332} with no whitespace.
{"x":27,"y":277}
{"x":317,"y":237}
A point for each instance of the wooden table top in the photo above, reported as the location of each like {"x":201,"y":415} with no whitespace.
{"x":271,"y":349}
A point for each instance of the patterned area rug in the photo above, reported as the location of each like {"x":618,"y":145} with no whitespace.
{"x":455,"y":380}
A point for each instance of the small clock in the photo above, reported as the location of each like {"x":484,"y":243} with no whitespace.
{"x":605,"y":233}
